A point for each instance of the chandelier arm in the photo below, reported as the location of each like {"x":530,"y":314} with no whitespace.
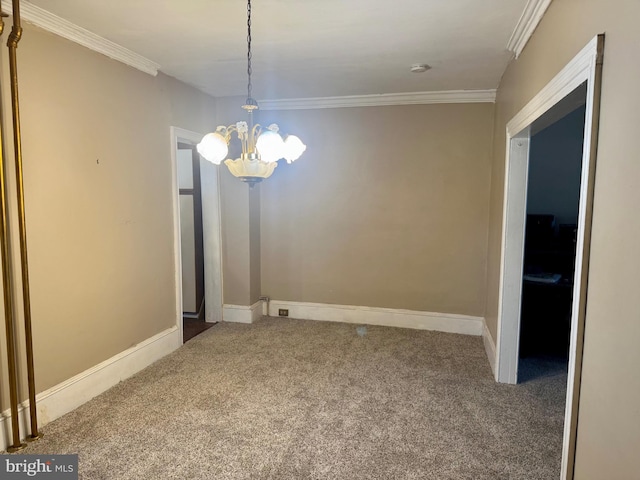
{"x":243,"y":142}
{"x":228,"y":131}
{"x":255,"y":133}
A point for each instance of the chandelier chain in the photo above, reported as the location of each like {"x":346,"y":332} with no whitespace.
{"x":249,"y":48}
{"x":261,"y":148}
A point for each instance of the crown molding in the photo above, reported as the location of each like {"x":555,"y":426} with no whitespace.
{"x":52,"y":23}
{"x":532,"y":14}
{"x":412,"y":98}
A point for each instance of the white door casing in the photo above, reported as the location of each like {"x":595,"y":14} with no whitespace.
{"x":211,"y":230}
{"x":585,"y":67}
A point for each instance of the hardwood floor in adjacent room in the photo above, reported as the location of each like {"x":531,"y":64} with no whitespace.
{"x":192,"y":327}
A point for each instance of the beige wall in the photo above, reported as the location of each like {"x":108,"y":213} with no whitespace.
{"x":388,"y":207}
{"x":97,"y":175}
{"x":236,"y":274}
{"x":240,"y":239}
{"x":254,"y":249}
{"x":608,"y":424}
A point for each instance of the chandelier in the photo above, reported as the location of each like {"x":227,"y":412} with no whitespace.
{"x":261,"y":147}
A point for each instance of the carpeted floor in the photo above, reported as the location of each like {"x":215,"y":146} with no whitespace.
{"x":294,"y":399}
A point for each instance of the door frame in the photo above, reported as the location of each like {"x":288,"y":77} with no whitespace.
{"x":212,"y":234}
{"x":585,"y":67}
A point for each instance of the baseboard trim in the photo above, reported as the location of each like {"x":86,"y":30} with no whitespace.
{"x":489,"y":346}
{"x":70,"y":394}
{"x":256,"y":311}
{"x":241,"y":313}
{"x":388,"y":317}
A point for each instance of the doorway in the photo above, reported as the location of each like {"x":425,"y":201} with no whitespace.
{"x":552,"y":211}
{"x":197,"y":236}
{"x":584,"y":69}
{"x":191,"y":241}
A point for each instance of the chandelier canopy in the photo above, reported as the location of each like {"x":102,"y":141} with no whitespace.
{"x":261,"y":147}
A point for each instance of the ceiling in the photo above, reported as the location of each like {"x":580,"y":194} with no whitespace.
{"x":311,"y":48}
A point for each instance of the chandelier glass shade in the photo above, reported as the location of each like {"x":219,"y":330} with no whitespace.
{"x":262,"y":148}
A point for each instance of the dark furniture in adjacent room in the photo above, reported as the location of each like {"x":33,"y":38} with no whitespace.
{"x":549,"y":264}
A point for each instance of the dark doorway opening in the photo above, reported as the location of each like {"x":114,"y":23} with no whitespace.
{"x":192,"y":241}
{"x":553,"y":202}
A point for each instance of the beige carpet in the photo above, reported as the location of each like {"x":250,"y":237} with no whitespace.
{"x":294,"y":399}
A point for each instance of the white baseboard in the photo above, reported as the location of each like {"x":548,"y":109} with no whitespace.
{"x":489,"y":346}
{"x":388,"y":317}
{"x":70,"y":394}
{"x":242,"y":313}
{"x":256,"y":311}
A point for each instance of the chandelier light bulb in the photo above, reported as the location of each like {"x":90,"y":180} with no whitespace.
{"x":270,"y":145}
{"x":293,"y":148}
{"x":213,"y":147}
